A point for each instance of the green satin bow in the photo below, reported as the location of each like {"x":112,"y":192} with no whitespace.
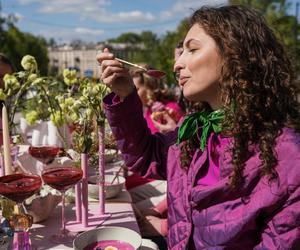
{"x":209,"y":121}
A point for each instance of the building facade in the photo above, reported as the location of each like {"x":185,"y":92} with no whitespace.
{"x":84,"y":58}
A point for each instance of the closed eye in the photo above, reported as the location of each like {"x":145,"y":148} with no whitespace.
{"x":191,"y":50}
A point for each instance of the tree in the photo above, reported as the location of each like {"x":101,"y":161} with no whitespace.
{"x":16,"y":44}
{"x":165,"y":50}
{"x":284,"y":25}
{"x":129,"y":37}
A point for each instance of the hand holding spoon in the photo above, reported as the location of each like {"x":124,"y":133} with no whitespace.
{"x":151,"y":72}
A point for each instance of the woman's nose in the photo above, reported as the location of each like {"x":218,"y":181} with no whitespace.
{"x":178,"y":65}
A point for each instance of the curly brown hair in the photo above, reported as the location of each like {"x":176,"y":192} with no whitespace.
{"x":257,"y":90}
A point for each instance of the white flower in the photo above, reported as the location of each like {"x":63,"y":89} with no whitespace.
{"x":31,"y":117}
{"x":57,"y":118}
{"x":70,"y":77}
{"x":11,"y":82}
{"x":2,"y":95}
{"x":29,"y":63}
{"x":37,"y":81}
{"x":32,"y":77}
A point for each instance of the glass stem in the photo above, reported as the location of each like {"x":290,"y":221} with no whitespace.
{"x":63,"y":224}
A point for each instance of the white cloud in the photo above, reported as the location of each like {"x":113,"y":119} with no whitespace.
{"x":16,"y":15}
{"x":97,"y":10}
{"x":64,"y":35}
{"x":64,"y":3}
{"x":85,"y":31}
{"x":97,"y":13}
{"x":123,"y":17}
{"x":185,"y":8}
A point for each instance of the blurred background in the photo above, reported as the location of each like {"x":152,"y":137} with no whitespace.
{"x":68,"y":33}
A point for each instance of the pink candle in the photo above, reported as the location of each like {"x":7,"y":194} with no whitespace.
{"x":101,"y":170}
{"x":78,"y":202}
{"x":6,"y":143}
{"x":84,"y":185}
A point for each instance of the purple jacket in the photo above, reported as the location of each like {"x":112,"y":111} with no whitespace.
{"x":257,"y":215}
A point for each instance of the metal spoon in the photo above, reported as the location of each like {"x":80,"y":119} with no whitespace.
{"x":151,"y":72}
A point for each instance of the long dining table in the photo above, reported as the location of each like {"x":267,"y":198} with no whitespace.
{"x":121,"y":214}
{"x":120,"y":209}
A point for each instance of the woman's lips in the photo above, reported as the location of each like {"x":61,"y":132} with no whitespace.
{"x":183,"y":80}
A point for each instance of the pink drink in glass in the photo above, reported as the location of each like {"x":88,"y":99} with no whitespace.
{"x":18,"y":187}
{"x":62,"y":178}
{"x":45,"y":154}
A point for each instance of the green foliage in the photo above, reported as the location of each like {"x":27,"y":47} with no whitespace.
{"x":156,"y":52}
{"x":15,"y":44}
{"x":128,"y":37}
{"x":72,"y":101}
{"x":285,"y":26}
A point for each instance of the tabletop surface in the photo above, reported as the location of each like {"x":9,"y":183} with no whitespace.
{"x":121,"y":215}
{"x":119,"y":208}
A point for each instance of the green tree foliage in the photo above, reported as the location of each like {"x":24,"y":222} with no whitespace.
{"x":129,"y":37}
{"x":166,"y":47}
{"x":15,"y":44}
{"x":284,"y":25}
{"x":156,"y":52}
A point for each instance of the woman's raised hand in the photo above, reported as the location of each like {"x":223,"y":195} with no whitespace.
{"x":114,"y":74}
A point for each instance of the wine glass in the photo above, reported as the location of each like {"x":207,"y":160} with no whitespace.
{"x":62,"y":178}
{"x":18,"y":187}
{"x":44,"y":153}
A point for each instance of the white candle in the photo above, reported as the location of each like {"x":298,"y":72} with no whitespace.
{"x":6,"y":143}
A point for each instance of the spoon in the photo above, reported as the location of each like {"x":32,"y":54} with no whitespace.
{"x":117,"y":175}
{"x":151,"y":72}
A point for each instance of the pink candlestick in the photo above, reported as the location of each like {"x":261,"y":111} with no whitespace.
{"x":101,"y":170}
{"x":84,"y":185}
{"x":21,"y":237}
{"x":78,"y":202}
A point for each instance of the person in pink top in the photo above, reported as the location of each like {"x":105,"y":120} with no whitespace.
{"x":154,"y":219}
{"x":159,"y":103}
{"x":162,"y":113}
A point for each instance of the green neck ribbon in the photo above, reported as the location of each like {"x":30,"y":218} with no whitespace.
{"x":209,"y":121}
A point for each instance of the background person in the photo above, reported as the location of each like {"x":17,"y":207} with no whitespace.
{"x":6,"y":67}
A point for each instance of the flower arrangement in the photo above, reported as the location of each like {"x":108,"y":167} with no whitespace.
{"x":66,"y":100}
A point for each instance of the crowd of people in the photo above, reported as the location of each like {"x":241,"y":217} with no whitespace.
{"x":218,"y":166}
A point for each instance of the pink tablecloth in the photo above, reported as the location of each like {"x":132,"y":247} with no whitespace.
{"x":121,"y":215}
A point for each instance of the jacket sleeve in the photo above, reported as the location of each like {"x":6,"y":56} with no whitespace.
{"x":143,"y":153}
{"x":283,"y":230}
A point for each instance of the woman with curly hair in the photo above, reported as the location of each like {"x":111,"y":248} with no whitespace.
{"x":233,"y":168}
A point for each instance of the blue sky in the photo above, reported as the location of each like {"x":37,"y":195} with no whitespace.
{"x":98,"y":20}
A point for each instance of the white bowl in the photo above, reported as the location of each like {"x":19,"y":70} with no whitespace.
{"x":107,"y":233}
{"x":111,"y":190}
